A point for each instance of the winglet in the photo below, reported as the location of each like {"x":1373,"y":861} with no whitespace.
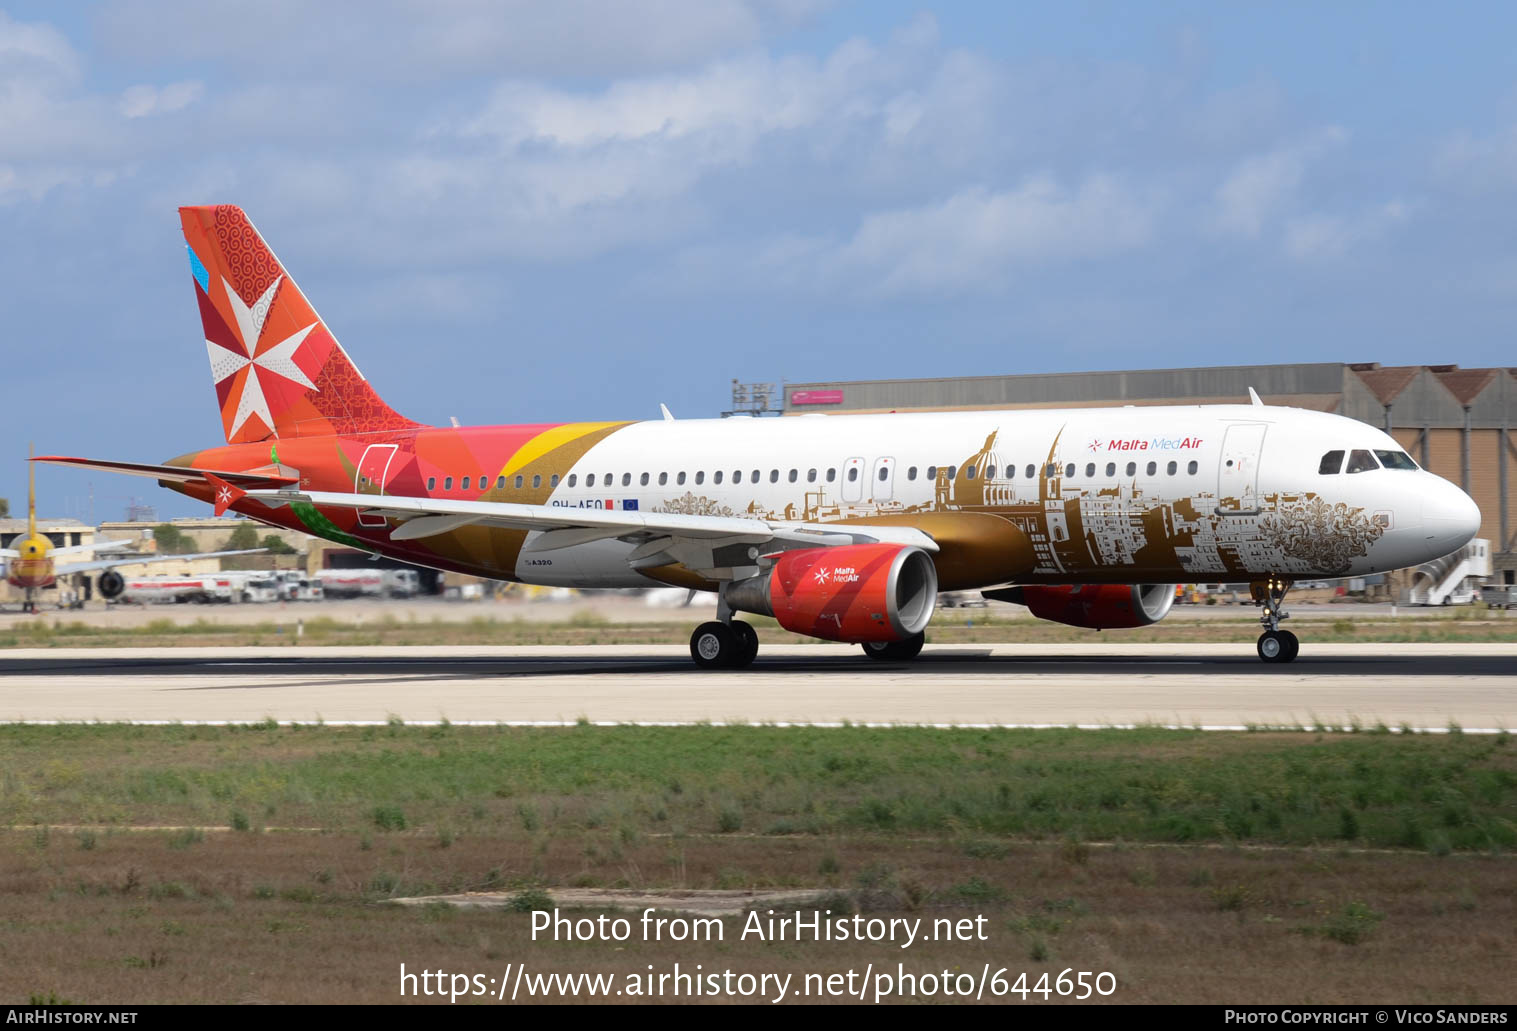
{"x":668,"y":415}
{"x":226,"y":495}
{"x":1253,"y":398}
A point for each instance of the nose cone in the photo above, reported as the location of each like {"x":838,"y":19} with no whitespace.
{"x":1450,"y":518}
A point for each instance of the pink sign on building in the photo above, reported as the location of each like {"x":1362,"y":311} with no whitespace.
{"x":816,"y":397}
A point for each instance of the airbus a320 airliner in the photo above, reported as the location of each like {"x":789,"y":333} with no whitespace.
{"x":842,"y":527}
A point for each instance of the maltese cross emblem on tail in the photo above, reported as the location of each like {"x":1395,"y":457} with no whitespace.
{"x":223,"y":494}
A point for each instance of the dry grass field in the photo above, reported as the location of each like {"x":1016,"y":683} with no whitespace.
{"x":171,"y":864}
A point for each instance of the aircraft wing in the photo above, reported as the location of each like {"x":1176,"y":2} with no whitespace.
{"x":718,"y":547}
{"x":134,"y":560}
{"x":79,"y":549}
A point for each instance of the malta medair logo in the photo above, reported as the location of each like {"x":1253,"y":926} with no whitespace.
{"x":1152,"y":444}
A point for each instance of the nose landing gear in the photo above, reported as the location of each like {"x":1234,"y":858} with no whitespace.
{"x":1275,"y":645}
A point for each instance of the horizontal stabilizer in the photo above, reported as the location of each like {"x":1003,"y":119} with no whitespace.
{"x":176,"y":473}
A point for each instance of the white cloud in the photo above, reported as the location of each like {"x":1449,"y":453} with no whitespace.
{"x":140,"y":101}
{"x":977,"y":237}
{"x":30,"y":48}
{"x":1479,"y":162}
{"x":1261,"y":185}
{"x":1317,"y":237}
{"x":410,"y":40}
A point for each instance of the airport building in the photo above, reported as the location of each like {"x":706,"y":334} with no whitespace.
{"x":1455,"y":422}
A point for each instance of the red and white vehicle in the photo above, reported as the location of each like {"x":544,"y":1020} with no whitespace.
{"x":369,"y":583}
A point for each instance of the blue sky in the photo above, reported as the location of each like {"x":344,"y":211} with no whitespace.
{"x":516,"y":211}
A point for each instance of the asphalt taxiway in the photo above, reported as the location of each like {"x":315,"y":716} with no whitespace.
{"x":1425,"y":686}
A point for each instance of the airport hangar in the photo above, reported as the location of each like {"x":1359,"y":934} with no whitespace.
{"x":1455,"y":422}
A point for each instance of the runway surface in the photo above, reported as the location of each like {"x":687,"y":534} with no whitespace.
{"x":1210,"y":685}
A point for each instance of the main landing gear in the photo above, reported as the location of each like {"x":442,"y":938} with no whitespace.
{"x":895,"y":651}
{"x":1275,"y":645}
{"x":730,"y":645}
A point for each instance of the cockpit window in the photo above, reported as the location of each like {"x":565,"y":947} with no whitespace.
{"x":1332,"y":462}
{"x":1395,"y":459}
{"x":1361,"y":462}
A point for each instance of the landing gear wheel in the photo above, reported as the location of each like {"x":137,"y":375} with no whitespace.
{"x":1292,"y":646}
{"x":713,"y":645}
{"x":1275,"y":646}
{"x":895,"y":651}
{"x":747,"y":644}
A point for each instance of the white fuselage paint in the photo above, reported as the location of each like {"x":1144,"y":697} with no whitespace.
{"x":1239,"y":471}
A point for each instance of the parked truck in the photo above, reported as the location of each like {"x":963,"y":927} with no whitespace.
{"x":369,"y":583}
{"x":1499,"y":596}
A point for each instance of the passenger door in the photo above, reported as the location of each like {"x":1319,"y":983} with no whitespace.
{"x":1238,"y":469}
{"x":369,"y":478}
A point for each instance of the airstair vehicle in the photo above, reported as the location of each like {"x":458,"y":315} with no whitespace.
{"x":1454,"y":579}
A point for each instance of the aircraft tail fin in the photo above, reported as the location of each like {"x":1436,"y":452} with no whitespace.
{"x":278,"y":370}
{"x":31,"y":493}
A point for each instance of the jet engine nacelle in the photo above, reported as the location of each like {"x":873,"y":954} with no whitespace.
{"x":110,"y":584}
{"x":1095,"y":606}
{"x":855,"y":593}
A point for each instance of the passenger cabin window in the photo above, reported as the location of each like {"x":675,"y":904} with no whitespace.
{"x":1172,"y":468}
{"x":716,"y":477}
{"x":643,"y":479}
{"x":1395,"y":459}
{"x":500,"y":482}
{"x":968,"y":472}
{"x":990,"y":472}
{"x":1111,"y":468}
{"x":794,"y":475}
{"x":911,"y":473}
{"x":626,"y":479}
{"x":518,"y":483}
{"x":537,"y":481}
{"x":884,"y":472}
{"x":737,"y":476}
{"x":853,"y":474}
{"x":932,"y":472}
{"x":1090,"y":469}
{"x":573,"y":479}
{"x":1153,"y":467}
{"x":1069,"y":470}
{"x":1192,"y":468}
{"x":755,"y":477}
{"x":1132,"y":468}
{"x":1053,"y":469}
{"x":663,"y":478}
{"x":700,"y":477}
{"x":1360,"y":461}
{"x":431,"y":483}
{"x":680,"y":479}
{"x":1331,"y":464}
{"x":810,"y":475}
{"x":466,"y":483}
{"x":774,"y":476}
{"x":553,"y":482}
{"x":590,"y":480}
{"x":1031,"y":471}
{"x":447,"y":483}
{"x":832,"y":474}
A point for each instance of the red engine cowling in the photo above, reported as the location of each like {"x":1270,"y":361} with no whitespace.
{"x":1095,"y":606}
{"x":855,"y":593}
